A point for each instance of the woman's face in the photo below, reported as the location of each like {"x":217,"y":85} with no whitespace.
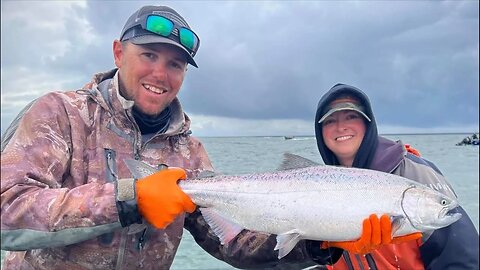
{"x":343,"y":133}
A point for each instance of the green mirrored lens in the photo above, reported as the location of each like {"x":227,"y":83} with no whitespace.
{"x":159,"y":25}
{"x":188,"y":38}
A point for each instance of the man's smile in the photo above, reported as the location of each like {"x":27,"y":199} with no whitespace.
{"x":154,"y":89}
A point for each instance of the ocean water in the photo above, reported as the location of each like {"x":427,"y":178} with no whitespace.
{"x":237,"y":155}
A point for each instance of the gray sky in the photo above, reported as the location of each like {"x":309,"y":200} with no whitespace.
{"x":263,"y":65}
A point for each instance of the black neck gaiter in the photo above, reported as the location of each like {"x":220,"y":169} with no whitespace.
{"x":149,"y":124}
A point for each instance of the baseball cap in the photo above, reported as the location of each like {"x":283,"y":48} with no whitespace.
{"x":344,"y":104}
{"x":135,"y":31}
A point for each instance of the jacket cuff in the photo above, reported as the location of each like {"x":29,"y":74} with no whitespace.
{"x":126,"y":202}
{"x":322,"y":256}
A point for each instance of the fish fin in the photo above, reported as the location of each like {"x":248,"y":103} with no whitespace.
{"x":286,"y":242}
{"x":224,"y":228}
{"x":292,"y":161}
{"x":139,"y":169}
{"x":397,"y":223}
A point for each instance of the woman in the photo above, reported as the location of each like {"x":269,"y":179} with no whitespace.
{"x":346,"y":134}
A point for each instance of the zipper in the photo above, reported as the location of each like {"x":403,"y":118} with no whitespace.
{"x":111,"y":165}
{"x":137,"y":138}
{"x":141,"y":239}
{"x":112,"y":177}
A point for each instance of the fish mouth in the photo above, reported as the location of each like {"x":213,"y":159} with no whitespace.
{"x":448,"y":214}
{"x":446,"y":218}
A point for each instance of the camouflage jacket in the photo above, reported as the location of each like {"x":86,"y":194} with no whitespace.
{"x":59,"y":164}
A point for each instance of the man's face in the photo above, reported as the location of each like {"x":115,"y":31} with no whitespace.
{"x":151,"y":75}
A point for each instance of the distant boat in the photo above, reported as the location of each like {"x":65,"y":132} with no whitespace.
{"x":470,"y":140}
{"x":288,"y":137}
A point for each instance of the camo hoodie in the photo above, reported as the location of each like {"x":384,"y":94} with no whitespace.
{"x":58,"y":181}
{"x":60,"y":161}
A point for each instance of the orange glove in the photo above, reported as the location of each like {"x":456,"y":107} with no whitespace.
{"x":159,"y":198}
{"x":412,"y":150}
{"x":375,"y":233}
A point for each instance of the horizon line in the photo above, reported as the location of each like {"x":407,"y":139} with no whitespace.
{"x":313,"y":135}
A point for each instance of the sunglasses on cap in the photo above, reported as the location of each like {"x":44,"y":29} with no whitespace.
{"x":165,"y":27}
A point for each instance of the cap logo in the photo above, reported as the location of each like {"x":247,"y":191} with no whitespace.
{"x":346,"y":99}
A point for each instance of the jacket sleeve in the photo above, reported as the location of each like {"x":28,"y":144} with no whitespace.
{"x":37,"y":209}
{"x":452,"y":247}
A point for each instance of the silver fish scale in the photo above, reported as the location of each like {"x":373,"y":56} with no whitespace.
{"x":320,"y":202}
{"x":282,"y":201}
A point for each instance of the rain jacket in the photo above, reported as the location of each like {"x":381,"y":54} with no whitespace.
{"x":60,"y":161}
{"x":451,"y":247}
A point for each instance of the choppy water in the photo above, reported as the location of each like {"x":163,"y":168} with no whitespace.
{"x":236,"y":155}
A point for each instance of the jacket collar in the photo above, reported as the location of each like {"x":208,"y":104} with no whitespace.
{"x":388,"y":155}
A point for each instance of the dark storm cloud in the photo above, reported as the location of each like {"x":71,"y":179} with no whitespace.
{"x":267,"y":60}
{"x":417,"y":60}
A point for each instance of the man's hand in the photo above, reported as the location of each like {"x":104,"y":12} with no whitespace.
{"x":375,"y":233}
{"x":160,"y":199}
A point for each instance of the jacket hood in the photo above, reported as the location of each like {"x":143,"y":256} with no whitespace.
{"x":366,"y":152}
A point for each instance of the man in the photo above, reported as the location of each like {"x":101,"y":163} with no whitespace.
{"x":68,"y":200}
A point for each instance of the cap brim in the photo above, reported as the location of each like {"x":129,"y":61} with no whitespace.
{"x":148,"y":39}
{"x":344,"y":107}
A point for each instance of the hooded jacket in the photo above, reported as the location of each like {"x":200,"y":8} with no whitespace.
{"x":60,"y":160}
{"x":451,"y":247}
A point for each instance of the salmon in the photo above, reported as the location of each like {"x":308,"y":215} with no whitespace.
{"x":306,"y":200}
